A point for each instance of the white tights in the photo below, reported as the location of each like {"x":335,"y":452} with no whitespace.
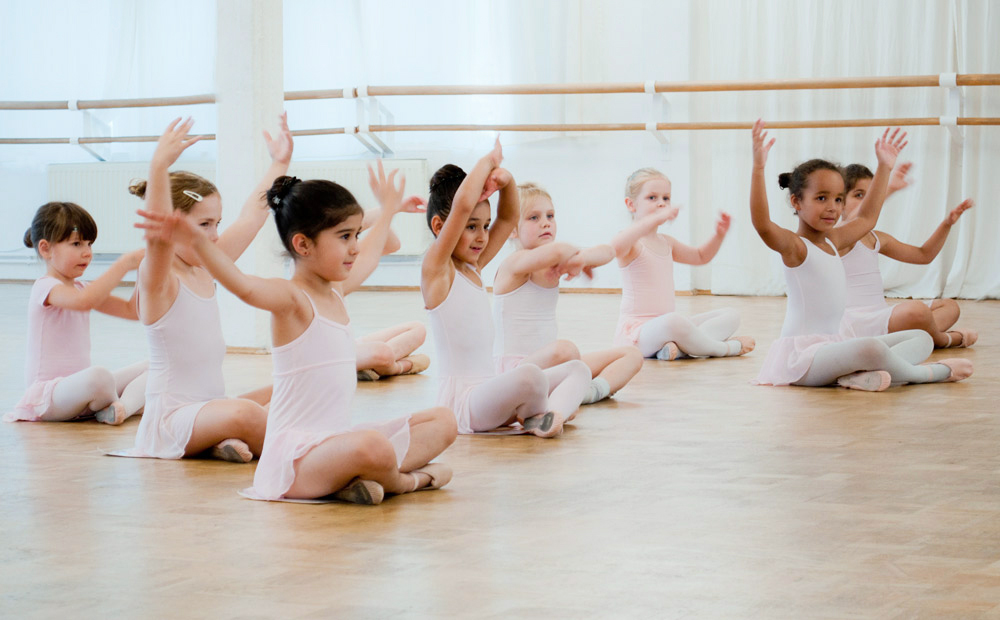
{"x":95,"y":388}
{"x":899,"y":354}
{"x":528,"y":391}
{"x":702,"y":335}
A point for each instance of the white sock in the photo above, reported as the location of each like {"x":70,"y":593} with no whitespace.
{"x":599,"y":390}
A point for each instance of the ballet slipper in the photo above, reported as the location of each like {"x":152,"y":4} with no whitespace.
{"x":747,"y":344}
{"x":439,"y":473}
{"x":544,"y":425}
{"x":969,"y":337}
{"x":232,"y":450}
{"x":368,"y":375}
{"x":866,"y":381}
{"x":960,"y":367}
{"x":364,"y":492}
{"x":114,"y":414}
{"x":418,"y":363}
{"x":668,"y":352}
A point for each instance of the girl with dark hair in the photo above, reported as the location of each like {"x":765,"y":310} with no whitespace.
{"x":187,"y":411}
{"x":311,"y":450}
{"x":458,"y":214}
{"x":61,"y":383}
{"x":811,"y":351}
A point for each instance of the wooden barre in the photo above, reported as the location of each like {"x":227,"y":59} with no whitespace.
{"x":694,"y":126}
{"x":969,"y":79}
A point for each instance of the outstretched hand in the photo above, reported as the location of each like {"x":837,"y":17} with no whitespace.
{"x":414,"y":204}
{"x":171,"y":229}
{"x":173,"y":142}
{"x":957,"y":212}
{"x":498,"y":179}
{"x":572,"y":266}
{"x":898,"y":180}
{"x":280,"y":148}
{"x":761,"y":147}
{"x":385,"y":189}
{"x":722,"y":224}
{"x":887,"y":147}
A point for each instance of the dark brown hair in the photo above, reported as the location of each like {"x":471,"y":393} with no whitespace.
{"x":797,"y":180}
{"x":308,"y":207}
{"x":443,"y":187}
{"x":854,"y":173}
{"x":56,"y":221}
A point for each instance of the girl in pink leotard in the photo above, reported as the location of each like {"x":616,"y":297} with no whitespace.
{"x":311,"y":449}
{"x":525,"y":292}
{"x":187,"y":411}
{"x":867,"y":312}
{"x":458,"y":214}
{"x":811,"y":351}
{"x":646,"y":258}
{"x":61,"y":383}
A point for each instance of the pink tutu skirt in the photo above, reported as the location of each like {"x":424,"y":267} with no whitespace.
{"x":507,"y":362}
{"x":866,"y":321}
{"x":627,"y":332}
{"x":454,"y":392}
{"x":165,"y":429}
{"x":37,"y":400}
{"x":789,"y":358}
{"x":276,"y":469}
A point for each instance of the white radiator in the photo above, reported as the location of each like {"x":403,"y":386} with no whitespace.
{"x":102,"y":189}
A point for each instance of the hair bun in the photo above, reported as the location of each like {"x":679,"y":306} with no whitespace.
{"x":784,"y":180}
{"x":138,"y":188}
{"x":446,"y":173}
{"x":279,"y":189}
{"x":27,"y":239}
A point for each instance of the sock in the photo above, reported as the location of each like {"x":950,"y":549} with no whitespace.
{"x":599,"y":390}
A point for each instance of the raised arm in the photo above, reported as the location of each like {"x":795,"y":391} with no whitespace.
{"x":922,"y":255}
{"x":97,"y":294}
{"x":781,"y":240}
{"x":707,"y":251}
{"x":238,"y":236}
{"x":438,"y":256}
{"x":887,"y":148}
{"x":154,"y":271}
{"x":523,"y":263}
{"x":625,"y":242}
{"x":508,"y":211}
{"x":273,"y":294}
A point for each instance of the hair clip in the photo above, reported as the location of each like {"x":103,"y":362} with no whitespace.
{"x":76,"y":229}
{"x":276,"y":200}
{"x":193,"y":195}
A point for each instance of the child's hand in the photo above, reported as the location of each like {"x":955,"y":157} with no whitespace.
{"x":957,"y":212}
{"x":761,"y":146}
{"x":887,"y":147}
{"x":496,"y":155}
{"x":665,"y":214}
{"x":280,"y":148}
{"x":173,"y":142}
{"x":498,"y":179}
{"x":572,"y":266}
{"x":898,"y":180}
{"x":132,"y":259}
{"x":386,"y":192}
{"x":173,"y":229}
{"x":414,"y":204}
{"x":722,"y":224}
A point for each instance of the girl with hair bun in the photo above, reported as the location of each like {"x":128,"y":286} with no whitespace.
{"x":458,"y":214}
{"x":811,"y":350}
{"x":61,"y":383}
{"x":187,"y":411}
{"x":311,"y":450}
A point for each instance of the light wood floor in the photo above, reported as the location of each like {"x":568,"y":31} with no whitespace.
{"x":691,"y":494}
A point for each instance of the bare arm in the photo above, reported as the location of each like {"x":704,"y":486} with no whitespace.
{"x":706,"y":252}
{"x":783,"y":241}
{"x":237,"y":237}
{"x":924,"y":254}
{"x":625,"y":242}
{"x":526,"y":262}
{"x":508,"y":211}
{"x":97,"y":294}
{"x":392,"y":243}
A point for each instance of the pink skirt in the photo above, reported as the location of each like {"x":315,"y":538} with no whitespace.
{"x":454,"y":392}
{"x":165,"y":428}
{"x":507,"y":362}
{"x":866,"y":321}
{"x":627,"y":332}
{"x":276,"y":469}
{"x":37,"y":400}
{"x":789,"y":358}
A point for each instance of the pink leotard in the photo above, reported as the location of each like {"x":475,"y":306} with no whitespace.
{"x":186,"y":350}
{"x":817,"y":290}
{"x":58,"y":346}
{"x":525,"y":321}
{"x":462,"y":328}
{"x":647,"y":292}
{"x":314,"y":382}
{"x":867,"y":313}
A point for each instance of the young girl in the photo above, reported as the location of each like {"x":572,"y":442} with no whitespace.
{"x":310,"y":449}
{"x":459,"y":308}
{"x":867,"y":312}
{"x":810,"y":351}
{"x":525,"y":293}
{"x":646,"y":258}
{"x":62,"y":385}
{"x":187,"y":411}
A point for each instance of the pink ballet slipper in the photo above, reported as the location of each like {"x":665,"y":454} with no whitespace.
{"x":747,"y":344}
{"x":439,"y":473}
{"x":114,"y":414}
{"x":544,"y":425}
{"x":233,"y":451}
{"x":960,"y":367}
{"x":866,"y":381}
{"x":669,"y":352}
{"x":969,"y":337}
{"x":364,"y":492}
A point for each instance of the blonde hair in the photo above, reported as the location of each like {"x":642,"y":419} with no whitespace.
{"x":527,"y":191}
{"x":638,"y":178}
{"x":182,"y":186}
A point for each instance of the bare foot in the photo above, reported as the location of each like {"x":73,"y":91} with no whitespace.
{"x":232,"y":450}
{"x":961,"y":368}
{"x":114,"y":414}
{"x":358,"y":491}
{"x":546,"y":425}
{"x":866,"y":381}
{"x":669,"y":352}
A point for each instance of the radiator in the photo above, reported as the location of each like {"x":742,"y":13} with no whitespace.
{"x":102,"y":189}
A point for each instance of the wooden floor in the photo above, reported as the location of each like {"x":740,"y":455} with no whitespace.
{"x":691,"y":494}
